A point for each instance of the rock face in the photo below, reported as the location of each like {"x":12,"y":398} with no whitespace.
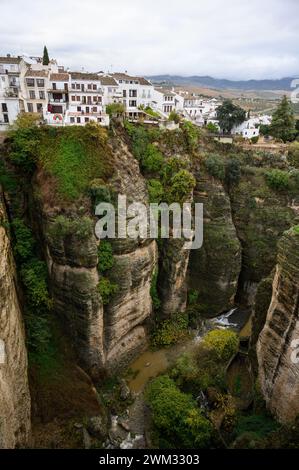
{"x":260,"y":216}
{"x":104,"y":336}
{"x":214,"y":269}
{"x":277,"y":347}
{"x":14,"y":391}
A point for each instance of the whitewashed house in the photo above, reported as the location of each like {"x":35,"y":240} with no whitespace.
{"x":85,"y":100}
{"x":136,"y":93}
{"x":10,"y":99}
{"x":251,"y":127}
{"x":58,"y":98}
{"x":34,"y":85}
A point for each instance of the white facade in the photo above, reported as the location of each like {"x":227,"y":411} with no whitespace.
{"x":85,"y":100}
{"x":135,"y":93}
{"x":250,"y":128}
{"x":10,"y":105}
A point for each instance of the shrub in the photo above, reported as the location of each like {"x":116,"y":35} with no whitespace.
{"x":174,"y":116}
{"x":193,"y":297}
{"x":232,"y":172}
{"x":171,"y":331}
{"x":293,"y":154}
{"x":154,"y":292}
{"x":99,"y":191}
{"x":115,"y":109}
{"x":254,"y":139}
{"x":153,"y":159}
{"x":105,"y":253}
{"x":175,"y":415}
{"x":34,"y":277}
{"x":277,"y":180}
{"x":63,"y":227}
{"x":215,"y":166}
{"x":107,"y":289}
{"x":191,"y":133}
{"x":24,"y":241}
{"x":260,"y":425}
{"x":181,"y":186}
{"x":221,"y":343}
{"x":155,"y":191}
{"x":172,"y":166}
{"x":212,"y":128}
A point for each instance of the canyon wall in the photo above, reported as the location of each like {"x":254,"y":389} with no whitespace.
{"x":278,"y":343}
{"x":14,"y":390}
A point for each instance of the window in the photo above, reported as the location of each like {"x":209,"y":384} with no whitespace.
{"x":39,"y":107}
{"x":132,"y":93}
{"x":4,"y":107}
{"x":30,"y":81}
{"x":40,"y":82}
{"x":30,"y":107}
{"x":54,"y":86}
{"x":78,"y":98}
{"x":5,"y":116}
{"x":94,"y":87}
{"x":41,"y":95}
{"x":99,"y":119}
{"x":94,"y":109}
{"x":132,"y":103}
{"x":124,"y":93}
{"x":78,"y":86}
{"x":79,"y":109}
{"x":72,"y":120}
{"x":73,"y":98}
{"x":66,"y":86}
{"x":78,"y":120}
{"x":32,"y":94}
{"x":87,"y":109}
{"x":73,"y":86}
{"x":95,"y":98}
{"x":89,"y":86}
{"x":86,"y":119}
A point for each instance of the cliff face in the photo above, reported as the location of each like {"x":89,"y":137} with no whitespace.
{"x":277,"y":347}
{"x":14,"y":391}
{"x":106,"y":336}
{"x":214,"y":269}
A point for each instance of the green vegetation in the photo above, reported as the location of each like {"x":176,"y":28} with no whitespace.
{"x":181,"y":185}
{"x":222,"y":344}
{"x":215,"y":165}
{"x":296,"y":229}
{"x":46,"y":59}
{"x":259,"y":425}
{"x":155,"y":191}
{"x":174,"y":116}
{"x":293,"y":154}
{"x":192,"y":134}
{"x":105,"y":253}
{"x":151,"y":112}
{"x":73,"y":156}
{"x":230,"y":115}
{"x":33,"y":273}
{"x":107,"y":289}
{"x":283,"y":122}
{"x":99,"y":191}
{"x":63,"y":227}
{"x":171,"y":331}
{"x":178,"y":421}
{"x":115,"y":109}
{"x":153,"y":159}
{"x":232,"y":172}
{"x":212,"y":128}
{"x":278,"y":180}
{"x":154,"y":292}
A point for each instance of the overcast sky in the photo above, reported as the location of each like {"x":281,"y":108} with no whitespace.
{"x":234,"y":39}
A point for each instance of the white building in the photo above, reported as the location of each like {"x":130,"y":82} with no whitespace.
{"x":251,"y":127}
{"x":10,"y":104}
{"x":136,"y":93}
{"x":85,"y":100}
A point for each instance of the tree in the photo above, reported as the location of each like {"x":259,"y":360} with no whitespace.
{"x":46,"y":59}
{"x":115,"y":109}
{"x":230,"y":115}
{"x":283,"y":121}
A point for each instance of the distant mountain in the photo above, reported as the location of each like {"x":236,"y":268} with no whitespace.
{"x":221,"y":83}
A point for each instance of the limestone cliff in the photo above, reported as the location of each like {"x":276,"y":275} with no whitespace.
{"x":277,"y":346}
{"x":14,"y":391}
{"x":214,"y":269}
{"x":105,"y":336}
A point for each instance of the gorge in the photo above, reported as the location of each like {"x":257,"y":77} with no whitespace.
{"x":100,"y":303}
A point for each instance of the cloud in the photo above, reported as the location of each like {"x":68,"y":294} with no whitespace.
{"x":232,"y":39}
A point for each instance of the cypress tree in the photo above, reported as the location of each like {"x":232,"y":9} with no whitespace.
{"x":46,"y":59}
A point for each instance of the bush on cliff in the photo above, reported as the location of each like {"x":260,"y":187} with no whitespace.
{"x":63,"y":227}
{"x":215,"y":165}
{"x":171,"y":331}
{"x":105,"y":253}
{"x":107,"y":289}
{"x":222,"y":344}
{"x":177,"y":419}
{"x":278,"y":180}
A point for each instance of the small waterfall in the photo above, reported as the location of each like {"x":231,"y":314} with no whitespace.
{"x":223,"y":320}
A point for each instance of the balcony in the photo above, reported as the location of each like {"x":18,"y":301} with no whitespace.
{"x":58,"y":100}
